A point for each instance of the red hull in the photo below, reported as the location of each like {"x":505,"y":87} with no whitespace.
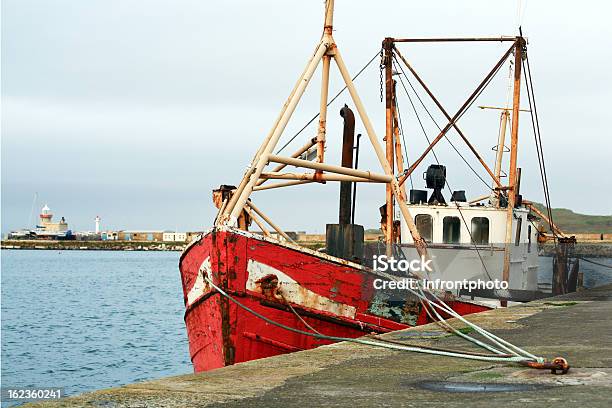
{"x":331,"y":295}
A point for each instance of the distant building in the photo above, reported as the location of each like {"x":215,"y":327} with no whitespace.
{"x":192,"y":235}
{"x":294,"y":235}
{"x":175,"y":236}
{"x":144,"y":236}
{"x":109,"y":235}
{"x":140,"y":235}
{"x":87,"y":236}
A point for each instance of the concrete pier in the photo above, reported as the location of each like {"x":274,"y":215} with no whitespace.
{"x":577,"y":327}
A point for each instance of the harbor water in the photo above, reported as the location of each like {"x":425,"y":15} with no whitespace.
{"x":85,"y":320}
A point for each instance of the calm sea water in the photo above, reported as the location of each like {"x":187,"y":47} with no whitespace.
{"x":86,"y":320}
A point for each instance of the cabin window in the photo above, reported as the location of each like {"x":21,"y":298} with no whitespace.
{"x":424,"y":225}
{"x":529,"y":238}
{"x":451,"y":233}
{"x":480,"y":230}
{"x":517,"y":239}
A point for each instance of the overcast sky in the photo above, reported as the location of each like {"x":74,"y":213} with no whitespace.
{"x":135,"y":110}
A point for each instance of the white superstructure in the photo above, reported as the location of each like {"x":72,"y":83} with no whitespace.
{"x":467,"y":242}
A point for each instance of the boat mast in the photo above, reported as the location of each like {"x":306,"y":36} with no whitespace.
{"x":389,"y":116}
{"x":327,"y":37}
{"x":501,"y":143}
{"x":254,"y":175}
{"x":512,"y":174}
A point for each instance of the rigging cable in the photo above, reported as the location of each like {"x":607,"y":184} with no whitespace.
{"x":434,"y":154}
{"x":595,"y":263}
{"x":328,"y":103}
{"x":401,"y":130}
{"x":538,"y":142}
{"x":434,"y":121}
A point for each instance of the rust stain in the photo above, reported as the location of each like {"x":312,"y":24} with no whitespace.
{"x":269,"y":286}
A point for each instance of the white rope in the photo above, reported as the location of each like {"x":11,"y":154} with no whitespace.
{"x":491,"y":337}
{"x":459,"y":333}
{"x":446,"y":308}
{"x":499,"y":341}
{"x":516,"y":359}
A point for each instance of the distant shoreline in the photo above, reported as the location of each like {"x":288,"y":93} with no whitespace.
{"x":589,"y":248}
{"x":93,"y":245}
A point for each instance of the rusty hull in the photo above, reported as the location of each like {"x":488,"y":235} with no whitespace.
{"x":333,"y":296}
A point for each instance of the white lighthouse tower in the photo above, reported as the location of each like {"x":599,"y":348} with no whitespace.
{"x":45,"y":216}
{"x":46,"y":221}
{"x":97,"y":224}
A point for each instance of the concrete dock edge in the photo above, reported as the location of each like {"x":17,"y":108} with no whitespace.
{"x":576,"y":326}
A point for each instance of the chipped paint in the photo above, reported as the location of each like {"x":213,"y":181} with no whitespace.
{"x":200,"y":287}
{"x":292,"y":291}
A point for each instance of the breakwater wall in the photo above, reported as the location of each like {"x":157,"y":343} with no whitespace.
{"x":591,"y":249}
{"x":93,"y":245}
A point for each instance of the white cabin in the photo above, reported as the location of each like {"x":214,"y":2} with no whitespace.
{"x":467,"y":241}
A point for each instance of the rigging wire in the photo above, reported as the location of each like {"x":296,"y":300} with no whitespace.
{"x":328,"y":103}
{"x":520,"y":12}
{"x":401,"y":130}
{"x":434,"y":121}
{"x":417,"y":115}
{"x":595,"y":263}
{"x":538,"y":141}
{"x":446,"y":182}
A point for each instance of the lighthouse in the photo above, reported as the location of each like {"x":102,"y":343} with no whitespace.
{"x":97,"y":224}
{"x":47,"y":224}
{"x":45,"y":216}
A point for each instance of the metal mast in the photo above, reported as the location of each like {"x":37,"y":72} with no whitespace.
{"x":389,"y":116}
{"x":254,"y":176}
{"x":512,"y":173}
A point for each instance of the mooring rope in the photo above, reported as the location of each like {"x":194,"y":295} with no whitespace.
{"x":499,"y":341}
{"x":375,"y":337}
{"x":448,"y":328}
{"x":391,"y":346}
{"x":595,"y":263}
{"x":489,"y":336}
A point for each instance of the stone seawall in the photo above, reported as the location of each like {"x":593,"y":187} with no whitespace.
{"x":93,"y":245}
{"x":590,"y":249}
{"x":595,"y":249}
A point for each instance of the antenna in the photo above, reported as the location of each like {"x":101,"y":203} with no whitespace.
{"x":32,"y":208}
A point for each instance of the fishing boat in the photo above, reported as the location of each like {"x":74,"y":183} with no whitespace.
{"x":254,"y":294}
